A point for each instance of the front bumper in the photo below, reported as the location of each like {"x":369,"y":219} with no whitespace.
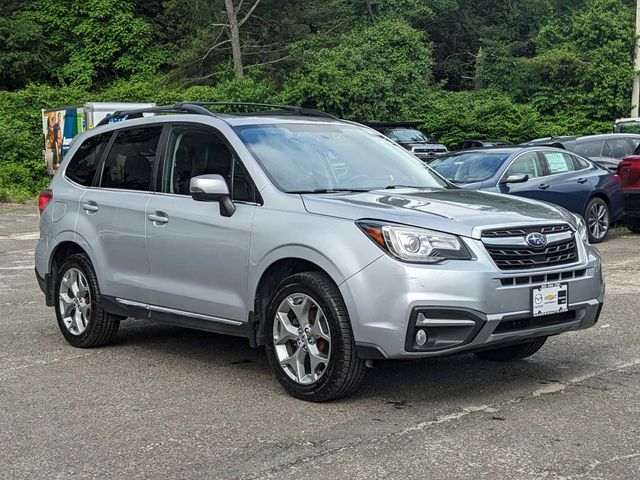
{"x":485,"y":307}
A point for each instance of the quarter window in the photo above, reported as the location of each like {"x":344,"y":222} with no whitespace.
{"x":82,"y":167}
{"x":131,"y":159}
{"x":527,"y":164}
{"x":558,"y":162}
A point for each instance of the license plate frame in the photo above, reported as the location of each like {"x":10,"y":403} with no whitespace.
{"x":549,"y":299}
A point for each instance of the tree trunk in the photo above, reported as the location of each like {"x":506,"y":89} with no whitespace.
{"x":234,"y":36}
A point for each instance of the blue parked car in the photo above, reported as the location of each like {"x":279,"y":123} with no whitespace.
{"x":542,"y":173}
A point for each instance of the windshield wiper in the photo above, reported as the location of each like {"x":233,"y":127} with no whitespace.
{"x":391,"y":187}
{"x":330,"y":190}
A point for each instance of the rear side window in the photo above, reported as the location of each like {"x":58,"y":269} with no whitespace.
{"x":589,"y":149}
{"x":129,"y":164}
{"x":558,"y":162}
{"x":618,"y":148}
{"x":82,"y":167}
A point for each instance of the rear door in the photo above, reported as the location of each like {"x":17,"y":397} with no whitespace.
{"x":112,"y":216}
{"x":199,"y":259}
{"x":569,"y":181}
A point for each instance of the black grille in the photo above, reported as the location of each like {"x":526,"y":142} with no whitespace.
{"x":522,"y":257}
{"x":535,"y":322}
{"x":522,"y":231}
{"x":511,"y":258}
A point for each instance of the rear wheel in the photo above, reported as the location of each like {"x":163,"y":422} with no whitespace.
{"x":78,"y":305}
{"x":598,"y":218}
{"x":513,"y":352}
{"x":309,"y":341}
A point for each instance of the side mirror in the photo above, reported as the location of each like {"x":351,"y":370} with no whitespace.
{"x":517,"y":178}
{"x":212,"y":188}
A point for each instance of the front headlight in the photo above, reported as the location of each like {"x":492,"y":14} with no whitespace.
{"x":582,"y":228}
{"x":412,"y":244}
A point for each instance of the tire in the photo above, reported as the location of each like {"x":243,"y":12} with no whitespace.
{"x":598,"y":219}
{"x":327,"y":334}
{"x":94,"y":327}
{"x":513,"y":352}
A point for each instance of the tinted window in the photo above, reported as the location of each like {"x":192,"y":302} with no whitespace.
{"x":406,"y":135}
{"x":527,"y":164}
{"x":589,"y":149}
{"x":84,"y":163}
{"x":194,"y":152}
{"x":558,"y":162}
{"x":617,"y":148}
{"x":580,"y":163}
{"x":130,"y":162}
{"x":469,"y":167}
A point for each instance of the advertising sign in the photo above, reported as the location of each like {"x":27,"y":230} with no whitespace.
{"x":59,"y":127}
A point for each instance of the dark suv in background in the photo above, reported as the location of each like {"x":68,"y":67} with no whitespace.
{"x":408,"y":136}
{"x":605,"y":150}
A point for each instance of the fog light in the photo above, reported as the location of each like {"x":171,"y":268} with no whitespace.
{"x":421,"y":337}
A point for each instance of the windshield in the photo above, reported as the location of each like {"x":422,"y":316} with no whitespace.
{"x":630,"y":126}
{"x":406,"y":135}
{"x":317,"y":157}
{"x":469,"y":167}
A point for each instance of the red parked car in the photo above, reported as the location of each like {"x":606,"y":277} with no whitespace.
{"x":629,"y":171}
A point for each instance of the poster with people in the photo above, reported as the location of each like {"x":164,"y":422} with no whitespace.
{"x":59,"y":127}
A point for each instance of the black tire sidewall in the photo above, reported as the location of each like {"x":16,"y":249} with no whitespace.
{"x":301,"y":283}
{"x":82,"y":263}
{"x":593,"y":201}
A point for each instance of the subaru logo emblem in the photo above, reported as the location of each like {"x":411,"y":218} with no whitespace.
{"x":536,"y":240}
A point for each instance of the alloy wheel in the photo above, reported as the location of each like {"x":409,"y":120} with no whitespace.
{"x":302,"y":338}
{"x":74,"y":299}
{"x":598,"y":220}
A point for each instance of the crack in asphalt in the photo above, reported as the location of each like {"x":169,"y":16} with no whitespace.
{"x":550,"y":389}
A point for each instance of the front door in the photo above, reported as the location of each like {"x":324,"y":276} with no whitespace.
{"x":199,"y":259}
{"x":528,"y":164}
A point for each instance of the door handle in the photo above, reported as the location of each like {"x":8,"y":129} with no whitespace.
{"x":158,"y":217}
{"x":582,"y":180}
{"x":90,"y":207}
{"x":543,"y":186}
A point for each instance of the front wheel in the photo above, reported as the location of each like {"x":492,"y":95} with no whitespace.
{"x":598,"y":218}
{"x":309,"y":341}
{"x":513,"y":352}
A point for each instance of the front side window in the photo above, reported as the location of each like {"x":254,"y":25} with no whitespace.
{"x":318,"y":157}
{"x":82,"y":167}
{"x":469,"y":167}
{"x":526,"y":164}
{"x":589,"y":149}
{"x":199,"y":151}
{"x":558,"y":162}
{"x":129,"y":164}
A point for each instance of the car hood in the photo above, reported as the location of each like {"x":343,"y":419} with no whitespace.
{"x":459,"y":211}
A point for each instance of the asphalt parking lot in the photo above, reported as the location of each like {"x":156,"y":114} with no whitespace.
{"x":165,"y":402}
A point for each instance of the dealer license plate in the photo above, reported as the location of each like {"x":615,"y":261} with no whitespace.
{"x":550,"y":298}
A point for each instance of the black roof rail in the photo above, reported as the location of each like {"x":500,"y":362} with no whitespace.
{"x":139,"y":112}
{"x":282,"y":109}
{"x":199,"y":109}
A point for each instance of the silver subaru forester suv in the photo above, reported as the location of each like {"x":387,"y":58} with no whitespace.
{"x":320,"y":239}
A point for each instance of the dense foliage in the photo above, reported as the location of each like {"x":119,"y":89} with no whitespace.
{"x":512,"y":69}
